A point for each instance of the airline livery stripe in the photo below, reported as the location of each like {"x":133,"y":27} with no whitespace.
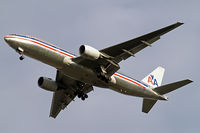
{"x":46,"y":43}
{"x":46,"y":46}
{"x":132,"y":79}
{"x":116,"y":74}
{"x":58,"y":50}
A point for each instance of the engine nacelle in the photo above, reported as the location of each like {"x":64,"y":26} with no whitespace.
{"x":89,"y":52}
{"x":47,"y":84}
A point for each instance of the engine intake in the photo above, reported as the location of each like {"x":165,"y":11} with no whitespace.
{"x":89,"y":52}
{"x":47,"y":84}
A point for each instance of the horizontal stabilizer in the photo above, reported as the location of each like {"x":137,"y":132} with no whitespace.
{"x":171,"y":87}
{"x":147,"y":105}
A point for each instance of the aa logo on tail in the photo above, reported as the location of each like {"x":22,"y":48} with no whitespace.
{"x":152,"y":81}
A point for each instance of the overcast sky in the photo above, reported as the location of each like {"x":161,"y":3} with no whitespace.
{"x":24,"y":107}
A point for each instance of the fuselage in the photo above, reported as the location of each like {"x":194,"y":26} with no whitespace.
{"x":63,"y":61}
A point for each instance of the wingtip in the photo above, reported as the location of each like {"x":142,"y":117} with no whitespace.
{"x":144,"y":112}
{"x":179,"y":23}
{"x":51,"y":116}
{"x":189,"y":81}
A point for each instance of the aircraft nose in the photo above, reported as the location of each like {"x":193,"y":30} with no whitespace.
{"x":9,"y":40}
{"x":6,"y":38}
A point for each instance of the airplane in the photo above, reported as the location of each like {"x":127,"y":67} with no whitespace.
{"x":76,"y":75}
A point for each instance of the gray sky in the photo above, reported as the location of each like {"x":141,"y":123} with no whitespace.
{"x":101,"y":23}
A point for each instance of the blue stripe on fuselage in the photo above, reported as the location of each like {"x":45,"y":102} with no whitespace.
{"x":46,"y":44}
{"x":133,"y":79}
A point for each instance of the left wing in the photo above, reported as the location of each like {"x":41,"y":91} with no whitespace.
{"x":59,"y":102}
{"x":67,"y":91}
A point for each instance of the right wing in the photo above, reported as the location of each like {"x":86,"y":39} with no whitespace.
{"x":122,"y":51}
{"x":66,"y":92}
{"x":129,"y":48}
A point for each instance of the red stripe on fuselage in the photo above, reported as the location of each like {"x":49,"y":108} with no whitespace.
{"x":129,"y":80}
{"x":41,"y":45}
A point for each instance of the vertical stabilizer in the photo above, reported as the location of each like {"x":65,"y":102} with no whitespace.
{"x":154,"y":79}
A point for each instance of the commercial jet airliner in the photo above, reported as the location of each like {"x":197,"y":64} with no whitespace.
{"x":76,"y":75}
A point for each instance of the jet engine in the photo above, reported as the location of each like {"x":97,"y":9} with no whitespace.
{"x":89,"y":52}
{"x":47,"y":84}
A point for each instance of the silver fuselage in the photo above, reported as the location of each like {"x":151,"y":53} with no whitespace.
{"x":63,"y":61}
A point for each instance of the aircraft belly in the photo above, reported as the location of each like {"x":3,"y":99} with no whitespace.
{"x":44,"y":55}
{"x":83,"y":74}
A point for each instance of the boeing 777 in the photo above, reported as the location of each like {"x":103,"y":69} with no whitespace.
{"x":76,"y":75}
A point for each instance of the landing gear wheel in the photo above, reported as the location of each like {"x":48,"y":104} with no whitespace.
{"x":79,"y":95}
{"x":83,"y":98}
{"x":21,"y":57}
{"x":86,"y":96}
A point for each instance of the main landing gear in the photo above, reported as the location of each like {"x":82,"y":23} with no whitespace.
{"x":20,"y":51}
{"x":79,"y":92}
{"x":81,"y":95}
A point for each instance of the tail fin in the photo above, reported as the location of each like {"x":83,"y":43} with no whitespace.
{"x":148,"y":103}
{"x":154,"y":79}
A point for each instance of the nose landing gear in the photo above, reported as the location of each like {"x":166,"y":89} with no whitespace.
{"x":21,"y":57}
{"x":20,"y":51}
